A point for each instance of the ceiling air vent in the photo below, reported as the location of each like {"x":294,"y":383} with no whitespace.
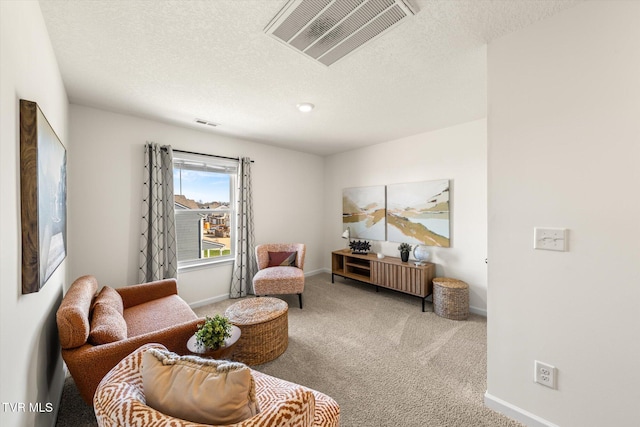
{"x":328,"y":30}
{"x":206,"y":122}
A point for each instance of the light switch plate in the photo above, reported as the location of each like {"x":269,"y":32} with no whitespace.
{"x":551,"y":239}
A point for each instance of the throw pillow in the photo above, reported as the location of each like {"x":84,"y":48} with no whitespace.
{"x":107,"y":325}
{"x":205,"y":391}
{"x":110,"y":297}
{"x":73,"y":315}
{"x":279,"y":259}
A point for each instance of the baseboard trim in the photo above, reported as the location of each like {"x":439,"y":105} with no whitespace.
{"x":56,"y":408}
{"x":512,"y":411}
{"x":208,"y":301}
{"x":316,"y":272}
{"x":480,"y":311}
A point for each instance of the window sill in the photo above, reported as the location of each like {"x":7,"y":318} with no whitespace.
{"x":205,"y":264}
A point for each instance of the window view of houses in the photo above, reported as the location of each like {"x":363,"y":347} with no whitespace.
{"x":203,"y":228}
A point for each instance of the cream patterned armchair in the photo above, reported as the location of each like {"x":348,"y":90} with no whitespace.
{"x":280,"y":268}
{"x":120,"y":401}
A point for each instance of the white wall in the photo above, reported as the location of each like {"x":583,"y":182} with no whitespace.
{"x":457,"y":153}
{"x":564,"y":151}
{"x":30,"y":363}
{"x":106,"y":186}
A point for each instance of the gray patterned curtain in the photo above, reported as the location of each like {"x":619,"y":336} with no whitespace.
{"x":158,"y":256}
{"x":245,"y":265}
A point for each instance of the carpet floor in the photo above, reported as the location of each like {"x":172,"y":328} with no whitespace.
{"x":376,"y":353}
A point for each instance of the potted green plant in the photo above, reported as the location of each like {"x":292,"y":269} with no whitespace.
{"x":212,"y":333}
{"x":404,"y":249}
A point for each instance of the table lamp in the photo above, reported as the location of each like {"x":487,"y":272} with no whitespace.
{"x":347,"y":235}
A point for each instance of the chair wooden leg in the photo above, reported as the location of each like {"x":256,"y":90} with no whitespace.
{"x":300,"y":299}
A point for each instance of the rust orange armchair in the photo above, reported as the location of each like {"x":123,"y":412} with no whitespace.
{"x":97,"y":331}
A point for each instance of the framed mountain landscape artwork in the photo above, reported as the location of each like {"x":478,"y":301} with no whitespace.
{"x":43,"y":198}
{"x":418,"y":212}
{"x":363,"y":212}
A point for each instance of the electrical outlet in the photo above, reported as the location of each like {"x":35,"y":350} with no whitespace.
{"x":544,"y":374}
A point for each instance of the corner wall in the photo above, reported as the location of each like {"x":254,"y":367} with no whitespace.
{"x":107,"y":191}
{"x":564,"y":151}
{"x":30,"y":363}
{"x":457,"y":153}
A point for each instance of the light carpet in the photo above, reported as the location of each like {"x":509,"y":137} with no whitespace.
{"x":377,"y":354}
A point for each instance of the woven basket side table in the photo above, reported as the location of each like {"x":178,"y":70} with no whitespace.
{"x":450,"y":298}
{"x":265,"y":329}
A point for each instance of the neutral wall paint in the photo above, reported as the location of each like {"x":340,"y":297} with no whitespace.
{"x":30,"y":364}
{"x":457,"y":153}
{"x":564,"y":151}
{"x":107,"y":190}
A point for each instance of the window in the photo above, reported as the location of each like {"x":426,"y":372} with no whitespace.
{"x":204,"y":205}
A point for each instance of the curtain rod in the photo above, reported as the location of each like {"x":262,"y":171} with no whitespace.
{"x":209,"y":155}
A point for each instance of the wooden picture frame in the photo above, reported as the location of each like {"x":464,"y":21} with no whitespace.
{"x":43,"y":198}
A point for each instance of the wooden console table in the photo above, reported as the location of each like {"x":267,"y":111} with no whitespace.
{"x":388,"y":272}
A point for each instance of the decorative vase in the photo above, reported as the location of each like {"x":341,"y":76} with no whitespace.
{"x":404,"y":255}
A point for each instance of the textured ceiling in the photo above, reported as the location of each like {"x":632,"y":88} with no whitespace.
{"x":175,"y":61}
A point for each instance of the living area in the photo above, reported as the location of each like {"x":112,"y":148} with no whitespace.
{"x":537,"y":106}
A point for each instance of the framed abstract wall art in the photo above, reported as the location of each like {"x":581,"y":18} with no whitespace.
{"x":418,"y":212}
{"x":43,"y":198}
{"x":363,"y":212}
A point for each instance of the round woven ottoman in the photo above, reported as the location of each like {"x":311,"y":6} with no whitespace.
{"x":450,"y":298}
{"x":265,"y":329}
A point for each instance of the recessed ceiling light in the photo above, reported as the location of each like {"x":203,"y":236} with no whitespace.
{"x":305,"y":107}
